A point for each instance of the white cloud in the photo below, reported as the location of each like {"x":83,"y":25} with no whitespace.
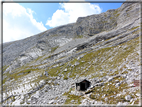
{"x":19,"y":23}
{"x":69,"y":13}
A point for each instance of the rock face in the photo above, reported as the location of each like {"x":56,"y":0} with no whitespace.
{"x":103,"y":49}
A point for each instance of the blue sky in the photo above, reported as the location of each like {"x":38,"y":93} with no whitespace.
{"x":43,"y":12}
{"x":21,"y":20}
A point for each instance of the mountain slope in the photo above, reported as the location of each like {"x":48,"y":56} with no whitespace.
{"x":103,"y":49}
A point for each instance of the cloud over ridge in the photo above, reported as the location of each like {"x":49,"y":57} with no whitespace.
{"x":69,"y":13}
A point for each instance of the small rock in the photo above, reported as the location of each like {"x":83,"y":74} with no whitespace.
{"x":46,"y":73}
{"x":128,"y":97}
{"x":118,"y":95}
{"x":119,"y":103}
{"x":36,"y":95}
{"x":76,"y":63}
{"x":92,"y":102}
{"x":72,"y":101}
{"x":99,"y":103}
{"x":42,"y":83}
{"x":22,"y":97}
{"x":125,"y":103}
{"x":133,"y":103}
{"x":137,"y":94}
{"x":124,"y":76}
{"x":33,"y":100}
{"x":110,"y":79}
{"x":55,"y":66}
{"x":61,"y":64}
{"x":85,"y":102}
{"x":106,"y":99}
{"x":49,"y":81}
{"x":99,"y":80}
{"x":21,"y":101}
{"x":118,"y":84}
{"x":73,"y":92}
{"x":100,"y":84}
{"x":116,"y":81}
{"x":58,"y":78}
{"x":51,"y":102}
{"x":131,"y":85}
{"x":29,"y":101}
{"x":81,"y":56}
{"x":104,"y":95}
{"x":81,"y":94}
{"x":89,"y":95}
{"x":131,"y":100}
{"x":65,"y":69}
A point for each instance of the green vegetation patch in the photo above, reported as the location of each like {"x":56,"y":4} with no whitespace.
{"x":109,"y":92}
{"x":5,"y":67}
{"x":116,"y":13}
{"x":79,"y":36}
{"x":77,"y":99}
{"x":94,"y":61}
{"x":54,"y":48}
{"x":55,"y":71}
{"x":73,"y":97}
{"x":21,"y":73}
{"x":134,"y":28}
{"x":18,"y":75}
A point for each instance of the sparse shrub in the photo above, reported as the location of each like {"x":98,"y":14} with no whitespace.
{"x":54,"y":48}
{"x":65,"y":78}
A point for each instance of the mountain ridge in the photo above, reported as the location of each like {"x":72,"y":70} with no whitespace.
{"x":68,"y":26}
